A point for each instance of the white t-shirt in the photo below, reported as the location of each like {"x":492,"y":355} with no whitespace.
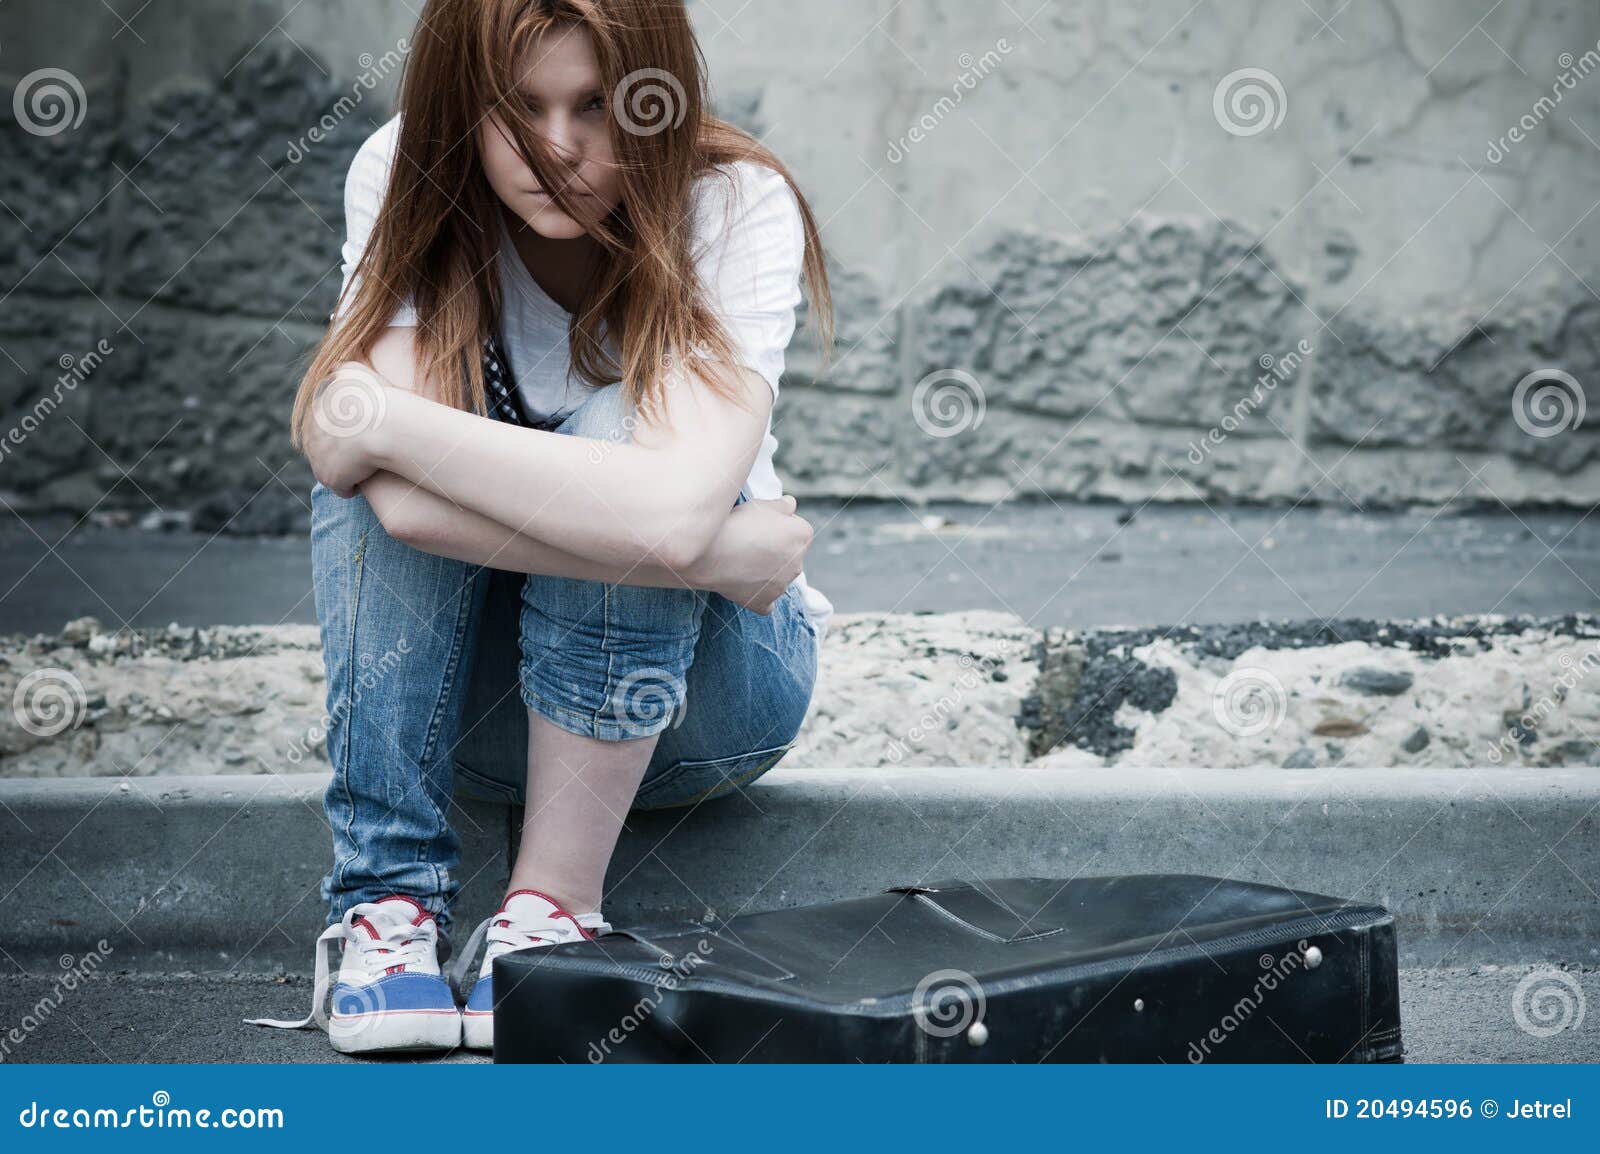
{"x":749,"y":255}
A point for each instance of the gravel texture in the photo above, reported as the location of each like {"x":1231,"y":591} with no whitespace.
{"x":972,"y":688}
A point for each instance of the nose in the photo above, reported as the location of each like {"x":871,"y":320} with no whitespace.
{"x":560,"y":132}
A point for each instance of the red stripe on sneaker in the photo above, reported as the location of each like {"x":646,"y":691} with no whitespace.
{"x":422,"y":911}
{"x":541,"y":895}
{"x":584,"y":930}
{"x":560,"y":911}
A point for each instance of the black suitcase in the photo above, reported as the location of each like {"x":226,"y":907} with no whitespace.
{"x":1160,"y":968}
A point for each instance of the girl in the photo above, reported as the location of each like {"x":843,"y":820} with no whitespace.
{"x":541,"y":423}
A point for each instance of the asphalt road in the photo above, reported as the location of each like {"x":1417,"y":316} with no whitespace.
{"x":1077,"y":565}
{"x":1452,"y":1015}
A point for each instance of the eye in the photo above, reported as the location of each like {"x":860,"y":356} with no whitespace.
{"x":523,"y":101}
{"x":595,"y":103}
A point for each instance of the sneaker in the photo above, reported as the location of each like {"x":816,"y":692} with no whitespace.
{"x":526,"y":918}
{"x":389,"y":994}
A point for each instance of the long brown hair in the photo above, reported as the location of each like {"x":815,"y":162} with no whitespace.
{"x":436,"y":236}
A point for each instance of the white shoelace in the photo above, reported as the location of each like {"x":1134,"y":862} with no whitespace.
{"x":497,"y":940}
{"x":402,"y":944}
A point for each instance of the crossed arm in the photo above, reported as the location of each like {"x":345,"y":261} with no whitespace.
{"x":652,"y":512}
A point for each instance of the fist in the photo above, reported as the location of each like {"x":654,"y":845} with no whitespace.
{"x":335,"y":436}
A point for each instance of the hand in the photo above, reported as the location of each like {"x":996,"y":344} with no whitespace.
{"x":337,"y":434}
{"x":756,"y":554}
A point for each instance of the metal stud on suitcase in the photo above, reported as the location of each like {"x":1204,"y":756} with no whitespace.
{"x":1158,"y":968}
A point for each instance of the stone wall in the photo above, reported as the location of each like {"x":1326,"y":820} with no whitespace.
{"x":1067,"y":260}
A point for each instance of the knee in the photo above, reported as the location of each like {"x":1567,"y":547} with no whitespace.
{"x":607,"y":661}
{"x":604,"y":416}
{"x":339,"y":520}
{"x":340,"y":529}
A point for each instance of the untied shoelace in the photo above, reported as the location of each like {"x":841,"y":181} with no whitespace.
{"x":402,"y":944}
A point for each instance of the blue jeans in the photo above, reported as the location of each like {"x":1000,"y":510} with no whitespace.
{"x":433,"y":663}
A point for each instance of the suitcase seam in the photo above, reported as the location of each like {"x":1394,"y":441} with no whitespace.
{"x":761,"y":991}
{"x":1366,"y":982}
{"x":634,"y":935}
{"x":988,"y":935}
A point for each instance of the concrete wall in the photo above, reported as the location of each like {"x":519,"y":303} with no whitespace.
{"x":1067,"y":260}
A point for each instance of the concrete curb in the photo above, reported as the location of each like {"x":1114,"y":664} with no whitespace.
{"x":222,"y":872}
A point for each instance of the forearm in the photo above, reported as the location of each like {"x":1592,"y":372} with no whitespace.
{"x":616,"y":503}
{"x":434,"y":524}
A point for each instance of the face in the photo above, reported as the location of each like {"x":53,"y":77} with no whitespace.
{"x":562,"y":92}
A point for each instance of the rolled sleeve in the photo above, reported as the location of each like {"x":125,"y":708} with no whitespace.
{"x":750,"y":254}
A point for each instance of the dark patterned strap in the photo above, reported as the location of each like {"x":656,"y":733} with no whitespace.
{"x":501,"y":393}
{"x":500,"y":388}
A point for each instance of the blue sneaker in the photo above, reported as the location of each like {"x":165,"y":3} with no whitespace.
{"x":389,"y":994}
{"x":527,"y":918}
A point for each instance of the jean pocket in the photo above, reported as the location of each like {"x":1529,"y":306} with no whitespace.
{"x":691,"y":782}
